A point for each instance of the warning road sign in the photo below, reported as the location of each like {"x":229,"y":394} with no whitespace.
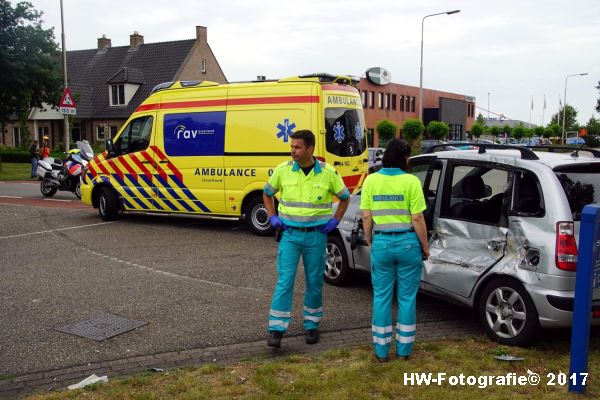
{"x":67,"y":104}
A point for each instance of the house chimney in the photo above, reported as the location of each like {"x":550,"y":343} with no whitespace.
{"x":103,"y":42}
{"x":201,"y":34}
{"x":135,"y":40}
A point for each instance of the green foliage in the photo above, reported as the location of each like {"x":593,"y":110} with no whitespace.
{"x":529,"y":132}
{"x":518,"y":132}
{"x":539,"y":131}
{"x":598,"y":102}
{"x":593,"y":126}
{"x":12,"y":171}
{"x":412,"y":129}
{"x":386,"y":130}
{"x":28,"y":60}
{"x":571,"y":118}
{"x":437,"y":130}
{"x":548,"y":132}
{"x":495,"y":131}
{"x":9,"y":155}
{"x":591,"y":141}
{"x":477,"y":129}
{"x":480,"y":119}
{"x":507,"y":130}
{"x":556,"y":129}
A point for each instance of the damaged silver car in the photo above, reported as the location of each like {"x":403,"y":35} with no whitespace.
{"x":503,"y":227}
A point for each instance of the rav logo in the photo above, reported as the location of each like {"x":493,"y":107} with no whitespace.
{"x":182,"y":131}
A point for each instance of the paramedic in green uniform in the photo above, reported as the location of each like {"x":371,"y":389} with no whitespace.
{"x":392,"y":202}
{"x":306,"y":188}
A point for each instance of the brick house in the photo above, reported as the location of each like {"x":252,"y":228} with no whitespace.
{"x":109,"y":83}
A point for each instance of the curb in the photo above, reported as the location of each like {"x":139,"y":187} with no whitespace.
{"x":59,"y":379}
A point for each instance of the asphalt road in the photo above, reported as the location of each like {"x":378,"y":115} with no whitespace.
{"x":196,"y":282}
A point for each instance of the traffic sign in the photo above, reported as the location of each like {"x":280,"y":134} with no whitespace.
{"x":67,"y":103}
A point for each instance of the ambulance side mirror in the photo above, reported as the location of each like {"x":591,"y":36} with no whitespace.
{"x":110,"y":148}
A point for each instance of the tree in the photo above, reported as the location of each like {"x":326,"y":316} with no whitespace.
{"x":548,"y":132}
{"x":598,"y":102}
{"x":539,"y":131}
{"x":556,"y":128}
{"x":477,"y":130}
{"x":593,"y":126}
{"x":386,"y":130}
{"x":437,"y":130}
{"x":28,"y":61}
{"x":480,"y":119}
{"x":518,"y":132}
{"x":495,"y":131}
{"x":571,"y":118}
{"x":507,"y":130}
{"x":412,"y":129}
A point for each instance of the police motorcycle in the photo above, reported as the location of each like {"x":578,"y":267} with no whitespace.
{"x":64,"y":175}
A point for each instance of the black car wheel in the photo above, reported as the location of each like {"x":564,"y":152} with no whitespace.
{"x":108,"y":204}
{"x":508,"y":313}
{"x":337,"y":270}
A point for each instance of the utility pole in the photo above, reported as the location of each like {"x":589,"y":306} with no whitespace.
{"x":64,"y":59}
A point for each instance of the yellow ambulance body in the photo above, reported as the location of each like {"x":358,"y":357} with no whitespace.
{"x":208,"y":149}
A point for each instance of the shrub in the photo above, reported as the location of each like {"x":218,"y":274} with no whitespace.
{"x":412,"y":129}
{"x":437,"y":130}
{"x":386,"y":130}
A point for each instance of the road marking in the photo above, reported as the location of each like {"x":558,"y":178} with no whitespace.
{"x":55,"y":230}
{"x":11,"y":197}
{"x":69,"y":201}
{"x":171,"y":274}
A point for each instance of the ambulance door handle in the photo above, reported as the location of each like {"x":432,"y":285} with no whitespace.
{"x":337,"y":163}
{"x":146,"y":162}
{"x":355,"y":169}
{"x":163,"y":161}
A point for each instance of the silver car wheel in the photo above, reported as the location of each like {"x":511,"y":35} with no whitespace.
{"x":260,"y":217}
{"x":505,"y":312}
{"x":334,"y":261}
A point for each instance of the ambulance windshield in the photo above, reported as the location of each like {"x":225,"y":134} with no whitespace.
{"x":345,"y":135}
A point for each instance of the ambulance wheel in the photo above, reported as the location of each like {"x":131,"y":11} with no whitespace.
{"x":257,"y":217}
{"x":507,"y":312}
{"x":337,"y":269}
{"x":108,"y":204}
{"x":47,"y":188}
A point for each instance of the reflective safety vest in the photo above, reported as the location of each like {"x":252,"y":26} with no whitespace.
{"x":305,"y":200}
{"x":392,"y":196}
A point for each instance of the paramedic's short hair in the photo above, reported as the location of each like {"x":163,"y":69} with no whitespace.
{"x":306,"y":135}
{"x":395,"y":154}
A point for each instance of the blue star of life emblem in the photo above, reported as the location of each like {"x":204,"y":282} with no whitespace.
{"x":359,"y":133}
{"x":285,"y":130}
{"x":338,"y":132}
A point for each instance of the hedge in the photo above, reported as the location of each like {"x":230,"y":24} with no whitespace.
{"x":22,"y":156}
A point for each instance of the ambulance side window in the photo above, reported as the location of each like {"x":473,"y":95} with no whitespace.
{"x":135,"y":137}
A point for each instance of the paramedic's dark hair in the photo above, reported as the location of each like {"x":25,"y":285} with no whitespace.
{"x":306,"y":135}
{"x":395,"y":154}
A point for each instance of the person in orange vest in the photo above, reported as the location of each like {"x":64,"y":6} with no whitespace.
{"x":45,"y":150}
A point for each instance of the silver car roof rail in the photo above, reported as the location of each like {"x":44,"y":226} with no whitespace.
{"x":575,"y":150}
{"x":526,"y":153}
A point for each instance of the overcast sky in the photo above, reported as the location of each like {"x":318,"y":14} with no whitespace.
{"x":511,"y":49}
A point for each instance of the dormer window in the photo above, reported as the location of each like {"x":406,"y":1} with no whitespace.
{"x":203,"y":66}
{"x":117,"y":97}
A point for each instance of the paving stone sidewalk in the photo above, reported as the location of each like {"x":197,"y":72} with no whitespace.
{"x":59,"y":379}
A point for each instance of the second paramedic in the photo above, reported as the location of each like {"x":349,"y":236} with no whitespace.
{"x":392,"y":202}
{"x":306,"y":188}
{"x":45,"y":150}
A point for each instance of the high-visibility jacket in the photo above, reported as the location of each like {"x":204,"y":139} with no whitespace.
{"x":306,"y":200}
{"x":392,"y":196}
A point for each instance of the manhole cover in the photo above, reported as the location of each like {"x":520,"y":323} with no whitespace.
{"x":101,"y":327}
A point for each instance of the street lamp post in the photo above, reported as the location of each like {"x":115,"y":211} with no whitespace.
{"x":564,"y":135}
{"x":421,"y":69}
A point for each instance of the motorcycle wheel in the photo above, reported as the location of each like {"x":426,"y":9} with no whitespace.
{"x":77,"y":190}
{"x":47,"y":188}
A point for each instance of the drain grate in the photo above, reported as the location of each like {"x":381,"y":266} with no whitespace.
{"x":101,"y":327}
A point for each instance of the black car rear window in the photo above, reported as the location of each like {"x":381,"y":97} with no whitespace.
{"x":581,"y":183}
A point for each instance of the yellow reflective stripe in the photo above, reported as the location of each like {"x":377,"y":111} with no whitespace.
{"x":305,"y":204}
{"x":303,"y":218}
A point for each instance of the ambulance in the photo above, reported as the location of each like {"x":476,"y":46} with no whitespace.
{"x":204,"y":148}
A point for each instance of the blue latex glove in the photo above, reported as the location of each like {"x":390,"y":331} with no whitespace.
{"x":329,"y":226}
{"x":276,"y":222}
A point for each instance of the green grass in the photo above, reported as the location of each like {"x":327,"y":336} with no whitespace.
{"x":354,"y":374}
{"x":15,"y":171}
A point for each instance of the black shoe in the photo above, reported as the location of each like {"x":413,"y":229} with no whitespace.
{"x":312,"y":336}
{"x":405,"y":358}
{"x":382,"y":359}
{"x":274,"y":339}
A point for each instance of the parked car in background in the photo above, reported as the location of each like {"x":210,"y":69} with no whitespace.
{"x":427,"y":143}
{"x":578,"y":141}
{"x":375,"y":155}
{"x":503,"y":226}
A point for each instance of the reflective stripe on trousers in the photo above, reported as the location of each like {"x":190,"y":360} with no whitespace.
{"x":312,"y":247}
{"x":395,"y":259}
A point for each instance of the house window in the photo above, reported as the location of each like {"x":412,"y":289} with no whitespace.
{"x":113,"y":131}
{"x":117,"y":95}
{"x":100,"y":132}
{"x":380,"y":100}
{"x":43,"y":131}
{"x":364,"y":98}
{"x":371,"y":100}
{"x":394,"y":102}
{"x":412,"y":104}
{"x":16,"y":136}
{"x":401,"y":103}
{"x":387,"y":101}
{"x":203,"y":66}
{"x":76,"y":132}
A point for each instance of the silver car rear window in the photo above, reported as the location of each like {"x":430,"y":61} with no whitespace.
{"x":581,"y":183}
